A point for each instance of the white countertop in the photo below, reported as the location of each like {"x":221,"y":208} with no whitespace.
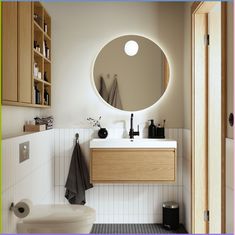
{"x":133,"y":143}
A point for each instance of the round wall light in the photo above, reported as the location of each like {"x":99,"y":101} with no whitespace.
{"x":131,"y":48}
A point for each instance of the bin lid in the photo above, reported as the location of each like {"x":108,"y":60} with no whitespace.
{"x":171,"y":205}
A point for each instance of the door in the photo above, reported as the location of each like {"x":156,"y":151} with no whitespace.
{"x":24,"y":52}
{"x":9,"y":51}
{"x":208,"y":112}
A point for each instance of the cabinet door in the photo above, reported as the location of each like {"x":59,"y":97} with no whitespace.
{"x":133,"y":165}
{"x":24,"y":52}
{"x":9,"y":51}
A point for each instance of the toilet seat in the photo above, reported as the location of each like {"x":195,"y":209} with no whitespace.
{"x":58,"y":219}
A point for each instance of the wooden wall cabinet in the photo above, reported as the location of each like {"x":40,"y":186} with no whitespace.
{"x":133,"y":165}
{"x":26,"y":27}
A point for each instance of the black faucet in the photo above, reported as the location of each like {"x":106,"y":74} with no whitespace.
{"x":132,"y":133}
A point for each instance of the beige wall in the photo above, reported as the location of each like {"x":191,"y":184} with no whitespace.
{"x":14,"y":118}
{"x":187,"y":66}
{"x":81,"y":29}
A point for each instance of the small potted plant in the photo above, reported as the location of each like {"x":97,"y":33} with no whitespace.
{"x":102,"y":133}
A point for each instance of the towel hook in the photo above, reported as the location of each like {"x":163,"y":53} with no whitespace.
{"x":77,"y":136}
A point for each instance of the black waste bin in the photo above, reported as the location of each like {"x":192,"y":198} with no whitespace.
{"x":170,"y":212}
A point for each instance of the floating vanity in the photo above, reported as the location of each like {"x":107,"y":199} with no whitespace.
{"x":133,"y":160}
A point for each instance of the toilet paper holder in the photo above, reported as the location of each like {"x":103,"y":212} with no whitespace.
{"x":20,"y":209}
{"x":12,"y":206}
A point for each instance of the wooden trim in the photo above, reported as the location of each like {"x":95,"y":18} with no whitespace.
{"x":192,"y":115}
{"x":12,"y":103}
{"x":199,"y":131}
{"x":223,"y":111}
{"x":195,"y":6}
{"x":32,"y":46}
{"x":206,"y":136}
{"x":203,"y":8}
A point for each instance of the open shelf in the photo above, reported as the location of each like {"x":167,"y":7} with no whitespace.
{"x":40,"y":54}
{"x":41,"y":91}
{"x":47,"y":23}
{"x":38,"y":13}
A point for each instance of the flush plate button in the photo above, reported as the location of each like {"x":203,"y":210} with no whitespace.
{"x":24,"y":151}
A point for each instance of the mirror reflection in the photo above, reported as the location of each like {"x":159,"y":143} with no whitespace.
{"x":131,"y":73}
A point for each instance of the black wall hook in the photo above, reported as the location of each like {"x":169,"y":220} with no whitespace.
{"x":231,"y":119}
{"x":77,"y":136}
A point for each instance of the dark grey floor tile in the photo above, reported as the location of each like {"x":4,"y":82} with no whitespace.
{"x":134,"y":229}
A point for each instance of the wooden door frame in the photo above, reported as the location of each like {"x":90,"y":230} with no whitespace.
{"x":203,"y":8}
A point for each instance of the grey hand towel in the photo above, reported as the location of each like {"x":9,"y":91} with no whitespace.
{"x":114,"y":96}
{"x":103,"y":90}
{"x":78,"y":178}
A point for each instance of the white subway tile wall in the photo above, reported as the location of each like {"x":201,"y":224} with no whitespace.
{"x":118,"y":203}
{"x":42,"y":179}
{"x":229,"y":185}
{"x":33,"y":178}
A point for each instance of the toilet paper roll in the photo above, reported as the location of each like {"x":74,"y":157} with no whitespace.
{"x":22,"y":208}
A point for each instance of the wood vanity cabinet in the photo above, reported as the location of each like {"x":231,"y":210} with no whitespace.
{"x":133,"y":165}
{"x":19,"y":31}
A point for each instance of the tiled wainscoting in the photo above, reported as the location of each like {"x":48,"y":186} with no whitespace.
{"x":42,"y":179}
{"x":229,"y":185}
{"x":33,"y":179}
{"x":118,"y":203}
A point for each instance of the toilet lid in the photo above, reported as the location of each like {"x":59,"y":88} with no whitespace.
{"x":48,"y":214}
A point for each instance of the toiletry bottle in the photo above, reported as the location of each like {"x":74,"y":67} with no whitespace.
{"x":37,"y":95}
{"x":35,"y":70}
{"x":45,"y":77}
{"x":48,"y":53}
{"x":38,"y":48}
{"x":152,"y":130}
{"x":45,"y":27}
{"x":34,"y":95}
{"x":160,"y":132}
{"x":44,"y":48}
{"x":46,"y":97}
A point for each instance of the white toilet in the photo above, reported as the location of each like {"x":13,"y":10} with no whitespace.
{"x":58,"y":219}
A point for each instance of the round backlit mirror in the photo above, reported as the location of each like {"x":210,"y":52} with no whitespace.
{"x":131,"y":73}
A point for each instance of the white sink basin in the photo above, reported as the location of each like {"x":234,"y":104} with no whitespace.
{"x":133,"y":143}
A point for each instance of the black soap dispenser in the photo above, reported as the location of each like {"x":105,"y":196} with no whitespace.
{"x":161,"y":130}
{"x":152,"y":130}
